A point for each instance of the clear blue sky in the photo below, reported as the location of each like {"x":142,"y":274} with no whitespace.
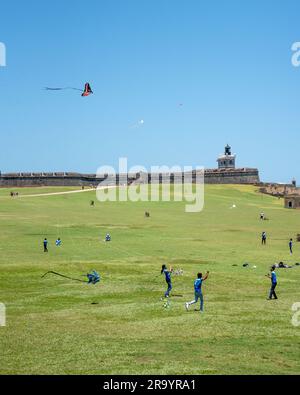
{"x":227,"y":62}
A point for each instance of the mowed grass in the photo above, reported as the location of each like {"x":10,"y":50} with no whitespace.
{"x":59,"y":326}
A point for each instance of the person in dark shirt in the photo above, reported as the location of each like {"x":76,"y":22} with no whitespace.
{"x":167,"y":274}
{"x":45,"y":243}
{"x":291,"y":246}
{"x":273,"y":279}
{"x":263,"y":238}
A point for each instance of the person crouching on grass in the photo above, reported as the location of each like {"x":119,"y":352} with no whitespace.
{"x":198,"y":291}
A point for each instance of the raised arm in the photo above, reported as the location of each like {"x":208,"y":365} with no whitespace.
{"x":206,"y":276}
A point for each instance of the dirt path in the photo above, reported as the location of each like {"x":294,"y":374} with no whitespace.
{"x":66,"y":192}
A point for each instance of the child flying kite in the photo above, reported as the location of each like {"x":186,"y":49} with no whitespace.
{"x":198,"y":291}
{"x":167,"y":274}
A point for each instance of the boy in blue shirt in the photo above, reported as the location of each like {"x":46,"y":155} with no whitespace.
{"x":198,"y":291}
{"x":58,"y":242}
{"x":273,"y":279}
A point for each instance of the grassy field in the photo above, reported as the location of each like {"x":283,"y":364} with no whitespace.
{"x":58,"y":326}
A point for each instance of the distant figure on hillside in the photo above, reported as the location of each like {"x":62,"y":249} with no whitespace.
{"x":107,"y":237}
{"x":198,"y":291}
{"x":58,"y":242}
{"x":167,"y":274}
{"x":291,"y":246}
{"x":273,"y":279}
{"x":45,"y":243}
{"x":92,"y":203}
{"x":263,"y":238}
{"x":147,"y":214}
{"x":262,"y":216}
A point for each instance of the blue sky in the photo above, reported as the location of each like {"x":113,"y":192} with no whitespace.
{"x":228,"y":63}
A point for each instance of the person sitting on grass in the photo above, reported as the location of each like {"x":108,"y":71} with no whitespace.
{"x":282,"y":265}
{"x":198,"y":291}
{"x":107,"y":237}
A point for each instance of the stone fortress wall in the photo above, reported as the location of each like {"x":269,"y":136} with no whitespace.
{"x":226,"y":173}
{"x":279,"y":190}
{"x":211,"y":176}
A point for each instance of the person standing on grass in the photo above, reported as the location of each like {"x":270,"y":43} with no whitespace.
{"x":58,"y":242}
{"x":273,"y":279}
{"x":263,"y":238}
{"x":45,"y":243}
{"x":198,"y":291}
{"x":167,"y":274}
{"x":291,"y":246}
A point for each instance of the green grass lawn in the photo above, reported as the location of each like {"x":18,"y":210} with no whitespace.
{"x":58,"y":326}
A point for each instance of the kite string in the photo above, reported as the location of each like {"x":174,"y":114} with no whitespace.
{"x":125,"y":251}
{"x":62,"y":275}
{"x":60,"y":89}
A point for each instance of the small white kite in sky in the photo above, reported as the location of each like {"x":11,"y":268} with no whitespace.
{"x":138,"y":124}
